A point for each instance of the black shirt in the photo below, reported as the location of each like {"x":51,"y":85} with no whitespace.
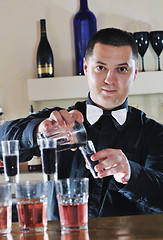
{"x":140,"y":139}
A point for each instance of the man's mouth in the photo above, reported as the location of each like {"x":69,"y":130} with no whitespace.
{"x":110,"y":91}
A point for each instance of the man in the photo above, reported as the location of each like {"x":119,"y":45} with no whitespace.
{"x":129,"y":145}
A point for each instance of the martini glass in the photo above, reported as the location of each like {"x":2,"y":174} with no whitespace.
{"x":142,"y":41}
{"x":156,"y":38}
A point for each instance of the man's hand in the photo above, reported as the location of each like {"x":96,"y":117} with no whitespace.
{"x":60,"y":119}
{"x":112,"y":162}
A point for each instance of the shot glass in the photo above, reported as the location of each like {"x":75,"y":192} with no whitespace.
{"x":31,"y":198}
{"x":72,"y":196}
{"x":5,"y":208}
{"x":10,"y":153}
{"x":87,"y":151}
{"x":48,"y":148}
{"x":66,"y":138}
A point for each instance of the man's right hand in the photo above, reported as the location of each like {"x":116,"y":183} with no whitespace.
{"x":60,"y":119}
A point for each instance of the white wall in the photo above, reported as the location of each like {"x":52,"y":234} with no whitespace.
{"x":19,"y":26}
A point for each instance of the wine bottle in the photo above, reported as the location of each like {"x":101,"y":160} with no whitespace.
{"x":85,"y":26}
{"x":34,"y":165}
{"x":45,"y":63}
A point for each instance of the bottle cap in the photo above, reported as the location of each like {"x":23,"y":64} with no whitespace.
{"x":42,"y":20}
{"x":43,"y":25}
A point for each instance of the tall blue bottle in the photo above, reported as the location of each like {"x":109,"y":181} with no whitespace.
{"x":85,"y":26}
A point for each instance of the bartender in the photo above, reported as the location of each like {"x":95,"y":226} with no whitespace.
{"x":129,"y":145}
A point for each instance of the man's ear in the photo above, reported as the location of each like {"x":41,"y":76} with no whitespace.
{"x":136,"y":72}
{"x":85,"y":66}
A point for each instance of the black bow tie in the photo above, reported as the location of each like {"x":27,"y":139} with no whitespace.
{"x":94,"y":113}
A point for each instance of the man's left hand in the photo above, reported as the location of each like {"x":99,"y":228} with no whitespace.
{"x":112,"y":162}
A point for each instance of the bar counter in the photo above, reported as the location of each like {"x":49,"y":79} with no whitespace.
{"x":149,"y":227}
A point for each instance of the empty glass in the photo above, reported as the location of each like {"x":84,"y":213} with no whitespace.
{"x":156,"y":38}
{"x":142,"y":41}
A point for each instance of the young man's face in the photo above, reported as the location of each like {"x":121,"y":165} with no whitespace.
{"x":110,"y":73}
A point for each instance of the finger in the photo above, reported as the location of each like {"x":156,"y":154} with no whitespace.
{"x":77,"y":115}
{"x":105,"y":164}
{"x":67,"y":117}
{"x":110,"y":171}
{"x":105,"y":153}
{"x":125,"y":179}
{"x":87,"y":166}
{"x":73,"y":149}
{"x":55,"y":116}
{"x":108,"y":153}
{"x":44,"y":125}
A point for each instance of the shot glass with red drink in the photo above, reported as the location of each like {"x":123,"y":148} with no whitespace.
{"x":5,"y":208}
{"x":10,"y":153}
{"x":72,"y":196}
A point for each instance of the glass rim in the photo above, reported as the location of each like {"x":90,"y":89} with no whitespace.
{"x":4,"y":184}
{"x":86,"y":179}
{"x":43,"y":138}
{"x":28,"y":182}
{"x":12,"y":140}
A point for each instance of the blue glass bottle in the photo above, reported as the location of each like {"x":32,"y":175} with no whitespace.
{"x":85,"y":26}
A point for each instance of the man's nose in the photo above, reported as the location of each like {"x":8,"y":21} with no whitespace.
{"x":109,"y":77}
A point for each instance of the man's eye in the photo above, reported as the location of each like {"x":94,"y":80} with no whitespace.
{"x":123,"y":69}
{"x":100,"y":68}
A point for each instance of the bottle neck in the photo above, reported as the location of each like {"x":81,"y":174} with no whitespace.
{"x":83,"y":5}
{"x":43,"y":27}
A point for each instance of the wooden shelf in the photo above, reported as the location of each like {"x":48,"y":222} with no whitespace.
{"x":76,"y":86}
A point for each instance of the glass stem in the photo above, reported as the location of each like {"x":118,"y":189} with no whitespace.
{"x":143,"y":70}
{"x":159,"y":69}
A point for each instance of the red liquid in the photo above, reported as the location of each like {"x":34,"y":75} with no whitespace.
{"x":48,"y":156}
{"x":73,"y":215}
{"x":11,"y":165}
{"x":32,"y":215}
{"x":1,"y":167}
{"x":5,"y":217}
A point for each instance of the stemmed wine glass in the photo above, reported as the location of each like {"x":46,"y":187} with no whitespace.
{"x":142,"y":41}
{"x":156,"y":38}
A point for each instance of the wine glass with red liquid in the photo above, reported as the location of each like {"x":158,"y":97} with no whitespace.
{"x":156,"y":39}
{"x":142,"y":41}
{"x":10,"y":153}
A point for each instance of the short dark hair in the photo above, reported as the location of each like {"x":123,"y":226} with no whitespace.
{"x":114,"y":37}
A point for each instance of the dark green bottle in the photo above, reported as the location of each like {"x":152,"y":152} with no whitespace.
{"x":45,"y":62}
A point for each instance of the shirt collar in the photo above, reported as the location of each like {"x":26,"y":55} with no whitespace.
{"x":93,"y":113}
